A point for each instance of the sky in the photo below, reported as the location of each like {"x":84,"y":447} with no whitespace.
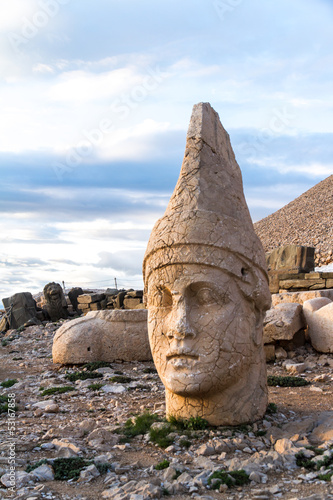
{"x":96,"y":97}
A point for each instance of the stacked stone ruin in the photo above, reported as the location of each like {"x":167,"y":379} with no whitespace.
{"x":290,"y":268}
{"x":113,"y":299}
{"x":301,"y":302}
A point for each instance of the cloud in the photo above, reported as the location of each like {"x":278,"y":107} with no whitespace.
{"x":251,"y":63}
{"x":15,"y":14}
{"x":42,"y":68}
{"x":22,"y":263}
{"x":135,"y":143}
{"x":129,"y":262}
{"x":84,"y":86}
{"x":313,"y":170}
{"x":67,"y":262}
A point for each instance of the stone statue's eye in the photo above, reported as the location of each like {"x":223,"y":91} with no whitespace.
{"x":206,"y":296}
{"x":161,"y":297}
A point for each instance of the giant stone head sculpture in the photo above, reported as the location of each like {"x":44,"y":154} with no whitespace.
{"x":206,"y":286}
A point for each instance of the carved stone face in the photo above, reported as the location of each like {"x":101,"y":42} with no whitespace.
{"x":53,"y":292}
{"x":202,"y":330}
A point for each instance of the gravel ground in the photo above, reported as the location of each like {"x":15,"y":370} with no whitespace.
{"x":82,"y":423}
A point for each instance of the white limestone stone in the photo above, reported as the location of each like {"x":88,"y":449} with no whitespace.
{"x":107,"y":335}
{"x":319,"y":317}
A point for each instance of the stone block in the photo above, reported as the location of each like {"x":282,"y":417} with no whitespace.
{"x":88,"y":298}
{"x":329,"y":283}
{"x":292,"y":276}
{"x":280,"y":353}
{"x":135,"y":294}
{"x":140,"y":306}
{"x":282,"y":322}
{"x":317,"y":303}
{"x":295,"y":258}
{"x":20,"y":308}
{"x":269,"y":352}
{"x":73,"y":294}
{"x":319,"y":317}
{"x":299,"y":297}
{"x":273,"y":281}
{"x":95,"y":306}
{"x":317,"y":284}
{"x":83,"y":307}
{"x":311,"y":276}
{"x":131,"y":303}
{"x":119,"y":302}
{"x":295,"y":368}
{"x":3,"y":324}
{"x":323,"y":430}
{"x":297,"y":341}
{"x":103,"y":336}
{"x":307,"y":284}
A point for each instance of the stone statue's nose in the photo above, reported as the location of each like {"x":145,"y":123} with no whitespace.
{"x":180,"y":327}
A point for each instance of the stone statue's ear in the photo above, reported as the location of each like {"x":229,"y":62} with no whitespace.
{"x":257,"y":332}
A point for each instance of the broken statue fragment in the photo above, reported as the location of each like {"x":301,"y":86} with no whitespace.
{"x":206,"y":286}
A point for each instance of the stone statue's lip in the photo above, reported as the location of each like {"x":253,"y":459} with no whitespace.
{"x":181,"y":353}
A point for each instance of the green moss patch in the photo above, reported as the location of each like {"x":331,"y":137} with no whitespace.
{"x":57,"y":390}
{"x":4,"y":404}
{"x":8,"y":383}
{"x":72,"y":377}
{"x":275,"y":380}
{"x":121,"y":379}
{"x":68,"y":468}
{"x":95,"y":387}
{"x":271,"y":409}
{"x":149,"y":370}
{"x":326,"y":462}
{"x":162,"y":465}
{"x":185,"y":443}
{"x":161,"y":436}
{"x":139,"y":425}
{"x":233,"y":478}
{"x":192,"y":424}
{"x":94,"y":365}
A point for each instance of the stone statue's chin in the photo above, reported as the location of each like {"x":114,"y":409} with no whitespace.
{"x":186,"y":381}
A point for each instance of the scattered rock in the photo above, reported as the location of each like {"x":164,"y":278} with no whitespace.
{"x":282,"y":322}
{"x":43,"y":473}
{"x":319,"y":317}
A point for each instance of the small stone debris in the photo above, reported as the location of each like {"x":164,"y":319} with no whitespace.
{"x":86,"y":426}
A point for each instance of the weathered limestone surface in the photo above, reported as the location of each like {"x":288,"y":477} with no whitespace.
{"x":300,"y":297}
{"x":88,"y":298}
{"x":319,"y":317}
{"x":21,"y":308}
{"x":288,"y":259}
{"x":282,"y":322}
{"x":206,"y":286}
{"x":73,"y":295}
{"x":103,"y":336}
{"x":56,"y":304}
{"x":296,"y":258}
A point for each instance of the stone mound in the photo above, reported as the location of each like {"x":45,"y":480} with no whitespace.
{"x":305,"y":221}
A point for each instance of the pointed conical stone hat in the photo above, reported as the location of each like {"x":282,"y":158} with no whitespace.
{"x":207,"y":220}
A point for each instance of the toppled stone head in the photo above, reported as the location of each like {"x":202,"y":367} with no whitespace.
{"x":56,"y":304}
{"x":206,"y":286}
